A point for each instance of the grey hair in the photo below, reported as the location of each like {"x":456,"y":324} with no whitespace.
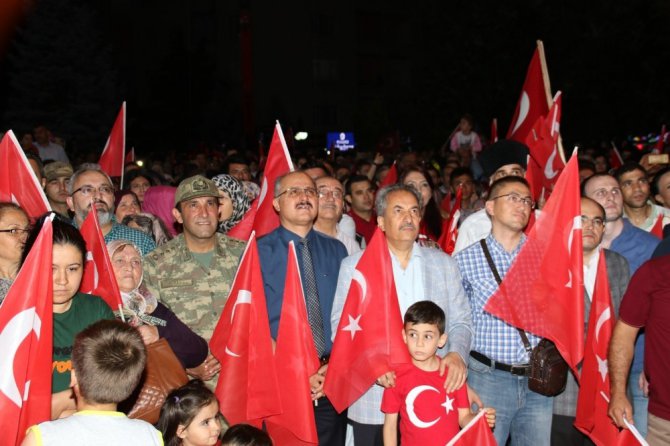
{"x":382,"y":194}
{"x":277,"y":188}
{"x":83,"y":168}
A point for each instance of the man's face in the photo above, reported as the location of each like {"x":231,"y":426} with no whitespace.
{"x":663,"y":195}
{"x":88,"y":193}
{"x":601,"y":164}
{"x":56,"y":190}
{"x":297,"y":202}
{"x":507,"y":170}
{"x":401,"y":218}
{"x":466,"y":183}
{"x":606,"y":191}
{"x":634,"y":188}
{"x":331,"y":201}
{"x":361,"y":198}
{"x":507,"y":209}
{"x":200,"y":217}
{"x":593,"y":225}
{"x":42,"y":135}
{"x":239,"y":171}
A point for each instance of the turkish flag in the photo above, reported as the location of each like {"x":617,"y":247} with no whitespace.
{"x":99,"y":278}
{"x":545,"y":163}
{"x":278,"y":163}
{"x":532,"y":102}
{"x":26,"y":343}
{"x":594,"y":391}
{"x":366,"y":345}
{"x":248,"y":389}
{"x":242,"y":230}
{"x":114,"y":154}
{"x":18,"y":182}
{"x":296,"y":360}
{"x":494,"y":131}
{"x":447,"y":240}
{"x":391,"y":176}
{"x":543,"y":290}
{"x":130,"y":156}
{"x":657,"y":229}
{"x":477,"y":432}
{"x":616,"y":160}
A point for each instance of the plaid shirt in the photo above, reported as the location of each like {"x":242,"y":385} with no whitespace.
{"x":493,"y":337}
{"x":139,"y":238}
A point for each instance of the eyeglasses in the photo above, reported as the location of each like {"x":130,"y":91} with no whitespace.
{"x":516,"y":199}
{"x":89,"y":190}
{"x":16,"y":232}
{"x":294,"y":192}
{"x":601,"y":194}
{"x":335,"y":193}
{"x":596,"y":222}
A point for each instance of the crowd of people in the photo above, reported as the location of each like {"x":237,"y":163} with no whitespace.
{"x":166,"y":233}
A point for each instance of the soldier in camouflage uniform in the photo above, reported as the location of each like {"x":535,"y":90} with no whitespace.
{"x":192,"y":273}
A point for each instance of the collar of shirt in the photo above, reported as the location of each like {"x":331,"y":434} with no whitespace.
{"x":494,"y":245}
{"x":590,"y":272}
{"x":409,"y":281}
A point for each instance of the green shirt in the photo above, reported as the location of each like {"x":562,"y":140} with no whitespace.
{"x":85,"y":310}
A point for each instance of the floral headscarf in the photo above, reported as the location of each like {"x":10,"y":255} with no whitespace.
{"x":233,"y":188}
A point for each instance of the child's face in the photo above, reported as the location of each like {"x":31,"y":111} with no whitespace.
{"x":205,"y":428}
{"x":423,"y":340}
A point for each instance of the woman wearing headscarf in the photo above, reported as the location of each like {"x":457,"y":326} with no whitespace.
{"x":233,"y":203}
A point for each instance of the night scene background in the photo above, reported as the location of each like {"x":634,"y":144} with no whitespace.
{"x":216,"y":74}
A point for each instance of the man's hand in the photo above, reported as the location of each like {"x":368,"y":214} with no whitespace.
{"x":619,"y":408}
{"x":207,"y":369}
{"x":644,"y":384}
{"x":387,"y":380}
{"x":316,"y":382}
{"x":458,"y":371}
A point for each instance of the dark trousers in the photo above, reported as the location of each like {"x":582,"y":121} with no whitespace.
{"x":563,"y":433}
{"x":331,"y":427}
{"x":368,"y":434}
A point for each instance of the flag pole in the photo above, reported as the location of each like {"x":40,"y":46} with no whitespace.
{"x":547,"y":92}
{"x":123,"y":152}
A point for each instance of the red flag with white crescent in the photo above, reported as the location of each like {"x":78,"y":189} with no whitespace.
{"x":26,"y":343}
{"x":447,"y":240}
{"x":477,"y":432}
{"x":18,"y":182}
{"x":248,"y":388}
{"x":99,"y":278}
{"x":114,"y":154}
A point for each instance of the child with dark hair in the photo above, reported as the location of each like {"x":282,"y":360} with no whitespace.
{"x":245,"y":435}
{"x":108,"y":360}
{"x":190,"y":416}
{"x":428,"y":415}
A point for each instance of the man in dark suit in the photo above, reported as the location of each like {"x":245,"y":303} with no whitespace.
{"x":593,"y":227}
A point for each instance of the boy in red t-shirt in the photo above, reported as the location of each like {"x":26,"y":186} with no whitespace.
{"x":428,"y":415}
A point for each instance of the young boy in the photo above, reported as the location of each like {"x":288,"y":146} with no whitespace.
{"x":428,"y":415}
{"x":108,"y":360}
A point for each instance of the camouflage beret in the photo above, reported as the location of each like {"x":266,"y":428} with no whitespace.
{"x":57,"y":169}
{"x":194,"y":187}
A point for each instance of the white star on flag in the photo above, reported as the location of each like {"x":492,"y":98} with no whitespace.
{"x":602,"y":367}
{"x":448,"y":404}
{"x":353,"y":326}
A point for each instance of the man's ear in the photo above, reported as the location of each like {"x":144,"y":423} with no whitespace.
{"x":380,"y":223}
{"x":73,"y":379}
{"x":404,"y":336}
{"x":177,"y":216}
{"x":489,"y":207}
{"x":70,"y":203}
{"x":347,"y":198}
{"x":275,"y":204}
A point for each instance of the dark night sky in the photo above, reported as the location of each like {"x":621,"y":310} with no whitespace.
{"x":371,"y":67}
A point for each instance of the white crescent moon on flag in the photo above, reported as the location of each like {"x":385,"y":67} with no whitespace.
{"x":409,"y":403}
{"x":12,"y":336}
{"x":524,"y":108}
{"x":576,"y":224}
{"x":549,"y":171}
{"x":360,"y":279}
{"x":604,"y":317}
{"x":243,"y":297}
{"x":96,"y":277}
{"x":264,"y":191}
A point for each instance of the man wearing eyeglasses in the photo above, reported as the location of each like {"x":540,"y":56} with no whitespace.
{"x":499,"y":363}
{"x":593,"y":229}
{"x":91,"y":187}
{"x":637,"y":207}
{"x":637,"y":246}
{"x":297,"y":201}
{"x":331,"y":208}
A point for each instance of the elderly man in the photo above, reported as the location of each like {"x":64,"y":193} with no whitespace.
{"x":91,"y":186}
{"x":319,"y":256}
{"x":593,"y":227}
{"x":499,"y":360}
{"x":637,"y":246}
{"x":193,"y":272}
{"x":420,"y":274}
{"x":331,"y":208}
{"x":57,"y":175}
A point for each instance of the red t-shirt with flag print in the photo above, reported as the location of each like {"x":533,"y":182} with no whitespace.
{"x":428,"y":415}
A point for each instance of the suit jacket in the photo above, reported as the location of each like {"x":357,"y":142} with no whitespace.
{"x":618,"y":274}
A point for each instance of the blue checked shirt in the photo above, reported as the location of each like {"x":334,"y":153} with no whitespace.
{"x":493,"y":337}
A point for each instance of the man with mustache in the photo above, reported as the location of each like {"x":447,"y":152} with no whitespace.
{"x":296,"y":200}
{"x":91,"y":187}
{"x":331,"y":208}
{"x":419,"y":273}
